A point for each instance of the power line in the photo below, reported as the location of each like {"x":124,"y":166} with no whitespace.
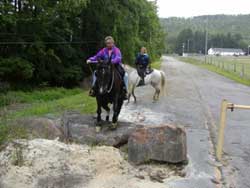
{"x":80,"y":42}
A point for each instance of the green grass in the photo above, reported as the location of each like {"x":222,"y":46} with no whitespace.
{"x":156,"y":64}
{"x":210,"y":67}
{"x":51,"y":101}
{"x":8,"y":133}
{"x":41,"y":95}
{"x":79,"y":102}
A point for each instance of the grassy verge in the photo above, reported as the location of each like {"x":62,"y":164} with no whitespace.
{"x":53,"y":102}
{"x":215,"y":69}
{"x":41,"y":95}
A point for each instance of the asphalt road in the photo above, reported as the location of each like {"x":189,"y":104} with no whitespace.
{"x":192,"y":99}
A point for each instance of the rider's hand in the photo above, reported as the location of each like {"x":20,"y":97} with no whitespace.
{"x":88,"y":61}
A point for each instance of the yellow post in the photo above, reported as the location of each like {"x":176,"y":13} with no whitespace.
{"x":220,"y":141}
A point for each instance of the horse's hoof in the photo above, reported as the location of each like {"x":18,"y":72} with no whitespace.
{"x":97,"y":129}
{"x":114,"y":126}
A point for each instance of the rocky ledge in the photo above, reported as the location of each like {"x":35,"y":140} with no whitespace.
{"x":67,"y":152}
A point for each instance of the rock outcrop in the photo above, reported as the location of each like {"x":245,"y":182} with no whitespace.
{"x":41,"y":128}
{"x":166,"y":143}
{"x":81,"y":129}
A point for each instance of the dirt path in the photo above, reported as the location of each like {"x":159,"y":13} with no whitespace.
{"x":193,"y":100}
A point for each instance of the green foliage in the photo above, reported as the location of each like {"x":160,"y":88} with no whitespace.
{"x":156,"y":64}
{"x":31,"y":30}
{"x":4,"y":132}
{"x":11,"y":132}
{"x":15,"y":69}
{"x":133,"y":23}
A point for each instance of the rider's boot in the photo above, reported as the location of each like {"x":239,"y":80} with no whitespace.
{"x":92,"y":92}
{"x":143,"y":81}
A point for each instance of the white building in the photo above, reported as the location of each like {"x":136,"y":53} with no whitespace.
{"x":226,"y":52}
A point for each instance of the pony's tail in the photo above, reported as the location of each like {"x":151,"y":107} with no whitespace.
{"x":163,"y":82}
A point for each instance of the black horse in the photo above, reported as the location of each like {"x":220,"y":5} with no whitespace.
{"x":109,"y":90}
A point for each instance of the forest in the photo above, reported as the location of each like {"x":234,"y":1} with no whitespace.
{"x":46,"y":42}
{"x":194,"y":41}
{"x":227,"y":31}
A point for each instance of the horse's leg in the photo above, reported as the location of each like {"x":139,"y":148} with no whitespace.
{"x":158,"y":93}
{"x":106,"y":107}
{"x":99,"y":118}
{"x":154,"y":97}
{"x":129,"y":95}
{"x":115,"y":111}
{"x":133,"y":93}
{"x":120,"y":103}
{"x":154,"y":86}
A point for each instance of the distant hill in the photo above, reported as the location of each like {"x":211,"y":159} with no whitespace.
{"x":216,"y":24}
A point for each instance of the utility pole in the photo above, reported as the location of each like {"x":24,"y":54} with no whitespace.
{"x":206,"y":39}
{"x":188,"y":46}
{"x":183,"y":48}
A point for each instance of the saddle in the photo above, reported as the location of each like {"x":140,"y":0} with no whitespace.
{"x":149,"y":71}
{"x":120,"y":71}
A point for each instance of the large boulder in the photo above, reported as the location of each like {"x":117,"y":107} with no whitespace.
{"x":41,"y":128}
{"x":166,"y":143}
{"x":81,"y":129}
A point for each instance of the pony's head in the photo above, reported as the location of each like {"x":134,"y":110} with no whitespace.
{"x":104,"y":77}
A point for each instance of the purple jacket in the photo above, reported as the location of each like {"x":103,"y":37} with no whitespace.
{"x":103,"y":54}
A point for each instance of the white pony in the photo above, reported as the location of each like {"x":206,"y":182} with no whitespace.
{"x":156,"y":79}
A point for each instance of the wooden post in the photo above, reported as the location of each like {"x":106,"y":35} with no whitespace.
{"x":223,"y":115}
{"x":242,"y":70}
{"x":220,"y":141}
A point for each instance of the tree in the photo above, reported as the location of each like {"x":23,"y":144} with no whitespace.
{"x":31,"y":30}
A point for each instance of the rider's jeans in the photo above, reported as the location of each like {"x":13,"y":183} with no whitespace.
{"x":125,"y":79}
{"x":93,"y":79}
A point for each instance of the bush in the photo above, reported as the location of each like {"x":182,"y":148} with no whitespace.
{"x":15,"y":70}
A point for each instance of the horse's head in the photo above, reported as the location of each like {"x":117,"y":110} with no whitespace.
{"x":104,"y":77}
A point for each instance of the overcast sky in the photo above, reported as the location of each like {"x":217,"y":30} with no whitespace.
{"x":190,"y":8}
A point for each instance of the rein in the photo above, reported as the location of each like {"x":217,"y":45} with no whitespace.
{"x":90,"y":68}
{"x":112,"y":82}
{"x":113,"y":74}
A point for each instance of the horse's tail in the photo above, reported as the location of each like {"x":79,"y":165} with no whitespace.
{"x":163,"y":82}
